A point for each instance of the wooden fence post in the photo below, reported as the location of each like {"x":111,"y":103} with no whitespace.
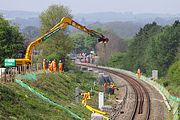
{"x":5,"y":76}
{"x":16,"y":70}
{"x":19,"y":69}
{"x":29,"y":68}
{"x":36,"y":67}
{"x":13,"y":76}
{"x":1,"y":75}
{"x":23,"y":69}
{"x":8,"y":75}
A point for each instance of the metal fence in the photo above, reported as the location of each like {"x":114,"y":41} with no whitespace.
{"x":8,"y":74}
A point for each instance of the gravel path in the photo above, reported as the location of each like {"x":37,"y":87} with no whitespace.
{"x":159,"y":110}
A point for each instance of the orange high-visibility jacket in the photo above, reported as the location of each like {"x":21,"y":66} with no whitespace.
{"x":50,"y":67}
{"x":60,"y":67}
{"x":44,"y":65}
{"x":86,"y":96}
{"x":54,"y":66}
{"x":139,"y":73}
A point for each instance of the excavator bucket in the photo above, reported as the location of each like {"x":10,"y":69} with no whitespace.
{"x":103,"y":40}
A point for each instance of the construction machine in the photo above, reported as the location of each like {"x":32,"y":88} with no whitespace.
{"x":64,"y":22}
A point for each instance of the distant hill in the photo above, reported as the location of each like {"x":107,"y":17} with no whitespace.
{"x":22,"y":18}
{"x":18,"y":14}
{"x":123,"y":29}
{"x":22,"y":23}
{"x":162,"y":19}
{"x":124,"y":25}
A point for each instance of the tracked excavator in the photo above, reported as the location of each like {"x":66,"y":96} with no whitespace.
{"x":64,"y":22}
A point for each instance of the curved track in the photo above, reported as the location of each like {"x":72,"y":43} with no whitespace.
{"x":140,"y":92}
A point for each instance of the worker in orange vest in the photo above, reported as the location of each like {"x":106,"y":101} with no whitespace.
{"x":105,"y":87}
{"x":112,"y":86}
{"x":44,"y":65}
{"x":139,"y":73}
{"x":86,"y":96}
{"x":54,"y":65}
{"x":50,"y":66}
{"x":60,"y":66}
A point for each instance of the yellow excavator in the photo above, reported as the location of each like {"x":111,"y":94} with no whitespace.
{"x":65,"y":21}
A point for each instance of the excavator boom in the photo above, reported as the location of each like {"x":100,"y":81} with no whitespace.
{"x":60,"y":25}
{"x":101,"y":37}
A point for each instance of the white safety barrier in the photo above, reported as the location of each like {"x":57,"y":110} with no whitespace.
{"x":2,"y":70}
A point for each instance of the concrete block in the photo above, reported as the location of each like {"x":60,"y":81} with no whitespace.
{"x":106,"y":108}
{"x":155,"y":74}
{"x":95,"y":116}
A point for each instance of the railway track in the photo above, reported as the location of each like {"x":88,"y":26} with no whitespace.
{"x":140,"y":94}
{"x":142,"y":97}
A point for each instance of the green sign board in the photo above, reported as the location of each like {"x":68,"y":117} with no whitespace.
{"x":10,"y":62}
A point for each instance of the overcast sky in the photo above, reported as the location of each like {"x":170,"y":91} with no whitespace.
{"x":91,"y":6}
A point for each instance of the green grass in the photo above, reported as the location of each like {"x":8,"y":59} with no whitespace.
{"x":171,"y":86}
{"x":18,"y":103}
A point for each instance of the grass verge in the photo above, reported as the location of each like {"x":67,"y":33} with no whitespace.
{"x":18,"y":103}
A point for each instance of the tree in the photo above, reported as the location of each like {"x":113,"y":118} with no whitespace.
{"x":154,"y":47}
{"x":172,"y":80}
{"x":30,"y":33}
{"x":11,"y":40}
{"x":163,"y":49}
{"x":83,"y":42}
{"x":78,"y":41}
{"x":117,"y":60}
{"x":59,"y":44}
{"x":136,"y":52}
{"x":115,"y":44}
{"x":174,"y":73}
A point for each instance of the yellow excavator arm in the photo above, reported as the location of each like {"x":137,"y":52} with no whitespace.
{"x":60,"y":25}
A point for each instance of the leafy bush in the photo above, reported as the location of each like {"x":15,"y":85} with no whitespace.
{"x":172,"y":80}
{"x":116,"y":60}
{"x":174,"y":73}
{"x":11,"y":40}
